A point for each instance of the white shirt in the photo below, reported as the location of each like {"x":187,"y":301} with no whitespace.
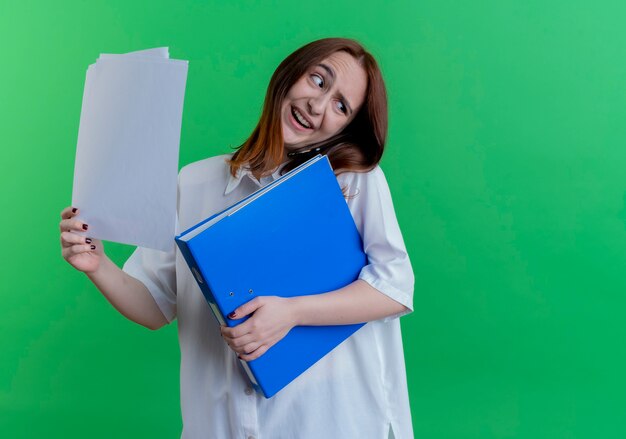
{"x":359,"y":390}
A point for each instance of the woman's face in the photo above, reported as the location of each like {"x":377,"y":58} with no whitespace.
{"x":323,"y":101}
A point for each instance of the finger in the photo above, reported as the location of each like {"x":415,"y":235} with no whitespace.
{"x":254,"y":355}
{"x":78,"y":249}
{"x":226,"y":331}
{"x":239,"y":342}
{"x":72,"y":224}
{"x":69,"y":212}
{"x":236,"y":331}
{"x":246,"y":308}
{"x":68,"y":239}
{"x":247,"y":349}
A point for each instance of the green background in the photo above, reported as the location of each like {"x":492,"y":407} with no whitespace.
{"x":505,"y":158}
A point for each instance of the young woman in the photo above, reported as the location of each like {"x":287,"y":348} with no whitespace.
{"x":327,"y":97}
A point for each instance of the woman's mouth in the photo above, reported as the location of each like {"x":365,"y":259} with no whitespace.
{"x":299,"y":121}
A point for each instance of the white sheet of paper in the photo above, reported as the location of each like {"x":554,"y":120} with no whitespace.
{"x":157,"y":52}
{"x":126,"y":168}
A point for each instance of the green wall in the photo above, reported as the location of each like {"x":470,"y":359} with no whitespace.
{"x":505,"y":159}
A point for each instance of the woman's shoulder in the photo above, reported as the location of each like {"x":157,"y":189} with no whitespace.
{"x":375,"y":172}
{"x":206,"y":169}
{"x":356,"y":180}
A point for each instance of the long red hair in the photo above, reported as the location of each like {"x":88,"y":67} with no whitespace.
{"x":358,"y":147}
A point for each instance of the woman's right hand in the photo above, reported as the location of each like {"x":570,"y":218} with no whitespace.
{"x":127,"y":294}
{"x":82,"y":253}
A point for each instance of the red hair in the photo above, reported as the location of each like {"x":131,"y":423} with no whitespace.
{"x":357,"y":147}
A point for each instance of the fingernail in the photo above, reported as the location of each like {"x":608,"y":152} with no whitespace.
{"x":232,"y":315}
{"x":85,"y":226}
{"x":74,"y":210}
{"x":93,"y":247}
{"x":88,"y":241}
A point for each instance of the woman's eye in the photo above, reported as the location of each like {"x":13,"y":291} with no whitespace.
{"x":342,"y":107}
{"x":317,"y":79}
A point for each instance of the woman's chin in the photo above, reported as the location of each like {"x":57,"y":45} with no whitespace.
{"x":290,"y":139}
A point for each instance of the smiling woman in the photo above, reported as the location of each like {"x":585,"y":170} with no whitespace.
{"x":322,"y":102}
{"x":327,"y":97}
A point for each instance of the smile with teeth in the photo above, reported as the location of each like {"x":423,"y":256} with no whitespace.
{"x":300,"y":118}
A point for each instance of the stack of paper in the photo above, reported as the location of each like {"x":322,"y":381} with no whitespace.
{"x":126,"y":168}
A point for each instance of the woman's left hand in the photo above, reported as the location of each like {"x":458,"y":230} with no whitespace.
{"x":272,"y":318}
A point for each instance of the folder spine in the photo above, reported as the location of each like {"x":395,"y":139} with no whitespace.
{"x":210,"y":298}
{"x":202,"y":283}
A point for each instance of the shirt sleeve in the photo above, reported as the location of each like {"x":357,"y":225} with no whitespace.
{"x":157,"y":271}
{"x":389,"y":268}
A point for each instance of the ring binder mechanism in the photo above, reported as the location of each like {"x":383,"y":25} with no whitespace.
{"x":197,"y":275}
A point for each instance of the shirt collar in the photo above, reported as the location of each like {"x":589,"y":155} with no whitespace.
{"x":234,"y":181}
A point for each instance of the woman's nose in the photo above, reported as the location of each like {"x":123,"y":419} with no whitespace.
{"x":316,"y":105}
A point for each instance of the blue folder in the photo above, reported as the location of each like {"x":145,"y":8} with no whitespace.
{"x":294,"y":237}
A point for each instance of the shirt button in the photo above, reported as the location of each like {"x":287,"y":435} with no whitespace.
{"x":249,"y":392}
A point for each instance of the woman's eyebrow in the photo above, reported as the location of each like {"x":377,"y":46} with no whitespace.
{"x":331,"y":73}
{"x":329,"y":70}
